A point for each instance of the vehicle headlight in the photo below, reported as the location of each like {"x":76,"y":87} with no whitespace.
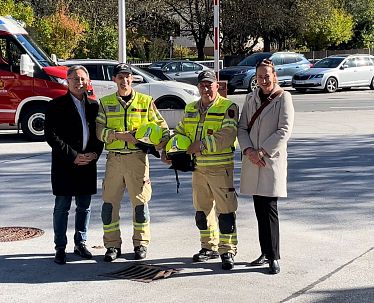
{"x":318,"y":76}
{"x":62,"y":81}
{"x":241,"y":72}
{"x":192,"y":92}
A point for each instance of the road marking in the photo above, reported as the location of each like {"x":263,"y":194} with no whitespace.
{"x":360,"y":107}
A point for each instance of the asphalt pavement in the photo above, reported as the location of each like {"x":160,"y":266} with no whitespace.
{"x":326,"y":225}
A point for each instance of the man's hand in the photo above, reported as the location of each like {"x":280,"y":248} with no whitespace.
{"x":81,"y":159}
{"x":127,"y":137}
{"x":164,"y":159}
{"x":194,"y":148}
{"x":161,"y":145}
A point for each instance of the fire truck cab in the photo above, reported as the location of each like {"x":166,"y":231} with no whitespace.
{"x":29,"y":78}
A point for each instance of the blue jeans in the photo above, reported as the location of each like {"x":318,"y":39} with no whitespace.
{"x":60,"y":219}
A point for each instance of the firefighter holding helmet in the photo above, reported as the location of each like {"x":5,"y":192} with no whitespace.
{"x":131,"y":127}
{"x":211,"y":125}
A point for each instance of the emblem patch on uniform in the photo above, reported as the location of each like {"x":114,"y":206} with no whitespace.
{"x":112,"y":108}
{"x":210,"y":131}
{"x":191,"y":115}
{"x":231,"y":113}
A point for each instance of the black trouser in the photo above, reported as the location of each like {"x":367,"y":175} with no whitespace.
{"x":268,"y":225}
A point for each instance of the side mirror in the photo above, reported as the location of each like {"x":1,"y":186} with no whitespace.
{"x":26,"y":66}
{"x":137,"y":79}
{"x":54,"y":58}
{"x":344,"y":66}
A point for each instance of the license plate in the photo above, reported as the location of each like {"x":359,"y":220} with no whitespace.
{"x":299,"y":82}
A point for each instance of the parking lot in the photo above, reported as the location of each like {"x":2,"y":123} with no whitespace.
{"x":327,"y":245}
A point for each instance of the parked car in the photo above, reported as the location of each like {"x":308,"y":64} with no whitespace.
{"x":242,"y":76}
{"x":337,"y":71}
{"x":179,"y":70}
{"x":166,"y":94}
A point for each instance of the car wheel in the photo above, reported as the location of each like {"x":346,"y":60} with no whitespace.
{"x":170,"y":104}
{"x":252,"y":84}
{"x":301,"y":90}
{"x":331,"y":85}
{"x":32,"y":123}
{"x":372,"y":83}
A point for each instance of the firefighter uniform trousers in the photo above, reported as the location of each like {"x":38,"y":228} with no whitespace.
{"x":126,"y":171}
{"x":214,"y":197}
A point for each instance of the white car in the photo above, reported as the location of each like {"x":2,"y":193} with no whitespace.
{"x":165,"y":94}
{"x":337,"y":71}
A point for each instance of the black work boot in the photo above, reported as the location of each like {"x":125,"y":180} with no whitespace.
{"x":111,"y":254}
{"x":140,"y":252}
{"x":227,"y":261}
{"x":81,"y":250}
{"x":60,"y":256}
{"x":204,"y":255}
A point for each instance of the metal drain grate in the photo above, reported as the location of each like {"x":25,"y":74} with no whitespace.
{"x":142,"y":272}
{"x":9,"y":234}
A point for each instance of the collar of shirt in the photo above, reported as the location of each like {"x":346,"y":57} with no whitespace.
{"x":123,"y":102}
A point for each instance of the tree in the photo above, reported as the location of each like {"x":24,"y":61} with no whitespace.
{"x":195,"y":18}
{"x":330,"y":29}
{"x":59,"y":33}
{"x":20,"y":11}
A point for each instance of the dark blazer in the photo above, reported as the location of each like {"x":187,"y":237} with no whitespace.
{"x":64,"y":133}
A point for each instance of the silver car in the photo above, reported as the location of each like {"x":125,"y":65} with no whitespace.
{"x":337,"y":71}
{"x":179,"y":70}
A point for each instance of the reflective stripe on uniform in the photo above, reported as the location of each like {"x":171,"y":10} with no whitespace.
{"x":141,"y":226}
{"x":111,"y":227}
{"x":228,"y":238}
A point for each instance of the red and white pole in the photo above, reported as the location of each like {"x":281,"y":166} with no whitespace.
{"x":216,"y":37}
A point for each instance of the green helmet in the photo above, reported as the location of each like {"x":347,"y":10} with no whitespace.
{"x":177,"y":144}
{"x":149,"y":133}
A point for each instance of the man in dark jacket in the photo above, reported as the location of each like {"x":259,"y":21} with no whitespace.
{"x":70,"y":131}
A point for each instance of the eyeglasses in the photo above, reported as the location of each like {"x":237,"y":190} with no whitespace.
{"x":78,"y":79}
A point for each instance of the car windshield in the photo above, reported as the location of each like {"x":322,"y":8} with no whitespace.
{"x":331,"y":62}
{"x":157,"y":65}
{"x":253,"y":59}
{"x":141,"y":72}
{"x":34,"y":51}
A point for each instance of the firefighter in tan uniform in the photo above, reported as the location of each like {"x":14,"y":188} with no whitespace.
{"x":127,"y":167}
{"x":211,"y":124}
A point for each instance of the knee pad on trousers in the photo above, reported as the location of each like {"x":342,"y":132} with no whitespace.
{"x":200,"y":219}
{"x":106,"y":213}
{"x":141,"y":213}
{"x":226,"y":223}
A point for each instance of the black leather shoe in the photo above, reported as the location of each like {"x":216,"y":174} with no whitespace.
{"x":81,"y":250}
{"x":60,"y":256}
{"x":227,"y":261}
{"x":274,"y":267}
{"x":111,"y":254}
{"x":204,"y":255}
{"x":261,"y":260}
{"x":140,"y":252}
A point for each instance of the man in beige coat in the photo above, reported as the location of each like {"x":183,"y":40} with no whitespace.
{"x":264,"y":164}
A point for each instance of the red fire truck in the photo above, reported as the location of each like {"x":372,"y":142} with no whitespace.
{"x":29,"y":78}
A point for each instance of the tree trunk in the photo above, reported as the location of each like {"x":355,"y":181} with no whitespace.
{"x":200,"y":49}
{"x":266,"y":44}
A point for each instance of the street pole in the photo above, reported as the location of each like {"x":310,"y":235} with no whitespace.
{"x":216,"y":37}
{"x":122,"y":31}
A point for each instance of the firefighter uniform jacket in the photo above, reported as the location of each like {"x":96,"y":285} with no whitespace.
{"x":114,"y":116}
{"x":216,"y":129}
